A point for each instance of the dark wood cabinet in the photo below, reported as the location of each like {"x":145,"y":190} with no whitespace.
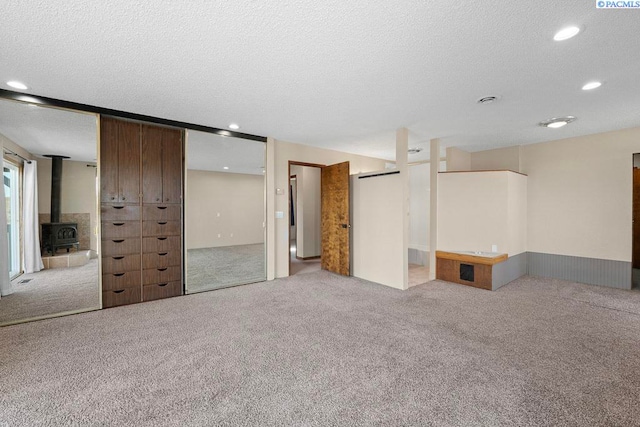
{"x":119,"y":161}
{"x":141,"y":192}
{"x":161,"y":164}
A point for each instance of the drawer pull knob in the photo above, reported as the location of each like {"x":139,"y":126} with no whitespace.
{"x":161,"y":207}
{"x":162,"y":284}
{"x":118,"y":292}
{"x":163,"y":253}
{"x":118,"y":241}
{"x":118,"y":224}
{"x":162,"y":222}
{"x":118,"y":207}
{"x":118,"y":257}
{"x":162,"y":238}
{"x":162,"y":269}
{"x":118,"y":274}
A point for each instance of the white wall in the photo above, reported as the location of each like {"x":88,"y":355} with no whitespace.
{"x":477,"y":210}
{"x":507,"y":158}
{"x":78,"y":192}
{"x":458,"y":160}
{"x":228,"y":205}
{"x":580,"y":195}
{"x":308,"y":225}
{"x":378,"y":250}
{"x":419,"y":206}
{"x":283,"y":152}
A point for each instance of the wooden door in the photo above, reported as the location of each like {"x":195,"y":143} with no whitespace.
{"x":128,"y":162}
{"x":108,"y":160}
{"x":151,"y":164}
{"x":172,"y":166}
{"x":335,"y":218}
{"x":636,"y":218}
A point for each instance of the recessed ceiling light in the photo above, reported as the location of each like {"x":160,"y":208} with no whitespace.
{"x":566,"y":33}
{"x":226,"y":168}
{"x":234,"y":126}
{"x":17,"y":85}
{"x":557,"y":122}
{"x":591,"y":85}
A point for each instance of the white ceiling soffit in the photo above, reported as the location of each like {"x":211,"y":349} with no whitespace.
{"x":336,"y":74}
{"x":211,"y":152}
{"x":42,"y":130}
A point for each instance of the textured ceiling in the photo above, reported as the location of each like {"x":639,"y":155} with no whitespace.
{"x":207,"y":151}
{"x":41,"y":130}
{"x":336,"y":74}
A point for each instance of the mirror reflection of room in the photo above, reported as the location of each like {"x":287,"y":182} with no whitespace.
{"x":50,"y":175}
{"x":224,"y":211}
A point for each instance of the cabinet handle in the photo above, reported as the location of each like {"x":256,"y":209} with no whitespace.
{"x":117,"y":257}
{"x":113,"y":198}
{"x":118,"y":224}
{"x":163,"y":253}
{"x":162,"y":222}
{"x":157,"y":199}
{"x":118,"y":292}
{"x":162,"y":284}
{"x":162,"y":238}
{"x":162,"y":269}
{"x":118,"y":274}
{"x":118,"y":241}
{"x":117,"y":207}
{"x":124,"y":198}
{"x":167,"y":199}
{"x":161,"y":207}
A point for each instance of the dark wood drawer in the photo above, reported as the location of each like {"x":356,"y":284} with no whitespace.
{"x":116,"y":229}
{"x":120,"y":263}
{"x":115,"y":281}
{"x":161,"y":228}
{"x":161,"y":275}
{"x":161,"y":212}
{"x":109,"y":212}
{"x":120,"y":246}
{"x":121,"y":297}
{"x":161,"y":259}
{"x":161,"y":244}
{"x":161,"y":290}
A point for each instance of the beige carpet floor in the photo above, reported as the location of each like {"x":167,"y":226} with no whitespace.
{"x":48,"y":292}
{"x":214,"y":268}
{"x":323,"y":350}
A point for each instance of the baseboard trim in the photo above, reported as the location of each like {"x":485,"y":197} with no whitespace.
{"x":506,"y":272}
{"x":306,"y":258}
{"x":592,"y":271}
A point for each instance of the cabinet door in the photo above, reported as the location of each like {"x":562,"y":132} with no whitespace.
{"x":151,"y":164}
{"x":129,"y":162}
{"x":172,"y":166}
{"x":108,"y":159}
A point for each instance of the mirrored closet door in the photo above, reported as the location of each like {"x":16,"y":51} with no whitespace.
{"x":50,"y":176}
{"x":224,"y":212}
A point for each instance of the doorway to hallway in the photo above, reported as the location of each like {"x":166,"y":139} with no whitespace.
{"x":305,"y":247}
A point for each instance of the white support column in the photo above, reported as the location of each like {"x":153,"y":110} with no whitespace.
{"x":433,"y":206}
{"x":402,"y":147}
{"x":270,"y":198}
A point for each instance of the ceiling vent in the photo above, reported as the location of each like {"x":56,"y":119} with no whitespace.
{"x":487,"y":100}
{"x":414,"y":150}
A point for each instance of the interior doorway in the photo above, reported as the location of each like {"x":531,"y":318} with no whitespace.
{"x":11,"y":175}
{"x":305,"y":248}
{"x":635,"y":257}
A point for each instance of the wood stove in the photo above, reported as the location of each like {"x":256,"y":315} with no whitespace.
{"x":56,"y":234}
{"x":59,"y":235}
